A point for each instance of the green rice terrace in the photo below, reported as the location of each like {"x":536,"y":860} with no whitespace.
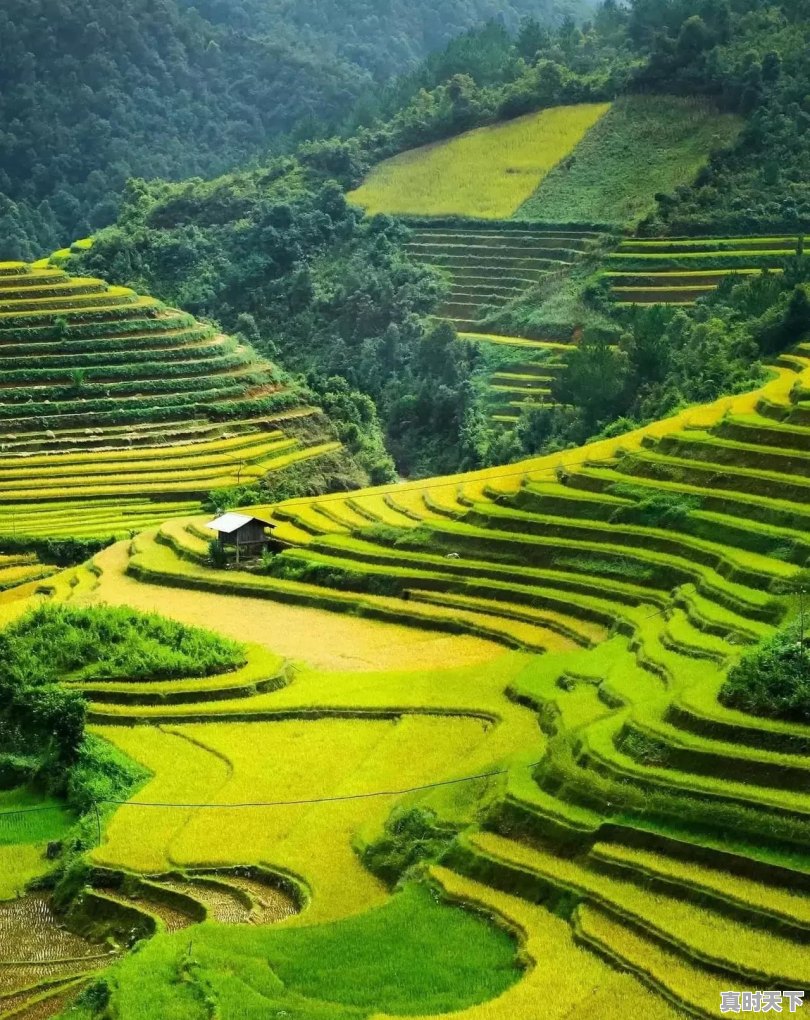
{"x":487,"y":267}
{"x":540,"y":210}
{"x":531,"y":740}
{"x":678,"y":271}
{"x":640,"y":842}
{"x":127,"y":410}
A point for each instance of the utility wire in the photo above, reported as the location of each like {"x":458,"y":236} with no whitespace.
{"x":301,"y":801}
{"x":323,"y":800}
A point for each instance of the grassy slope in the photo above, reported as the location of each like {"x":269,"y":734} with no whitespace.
{"x":413,"y":954}
{"x":28,"y":821}
{"x":643,"y":146}
{"x":486,"y":173}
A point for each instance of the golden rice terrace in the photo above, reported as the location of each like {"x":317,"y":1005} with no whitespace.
{"x":669,"y":830}
{"x":117,"y":411}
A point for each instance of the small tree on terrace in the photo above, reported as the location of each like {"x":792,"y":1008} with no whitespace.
{"x":595,"y":380}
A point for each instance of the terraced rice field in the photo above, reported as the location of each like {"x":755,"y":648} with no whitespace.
{"x":23,"y":568}
{"x":43,"y":964}
{"x":117,"y":412}
{"x":487,"y":173}
{"x":489,"y":266}
{"x":678,"y":271}
{"x":520,"y":372}
{"x":666,"y":833}
{"x":486,"y":268}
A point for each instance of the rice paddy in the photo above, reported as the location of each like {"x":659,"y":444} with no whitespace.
{"x":486,"y":173}
{"x":519,"y":667}
{"x":680,"y":271}
{"x":118,"y":411}
{"x":489,"y":267}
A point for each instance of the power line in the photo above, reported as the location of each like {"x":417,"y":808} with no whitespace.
{"x":322,"y":800}
{"x":300,"y":802}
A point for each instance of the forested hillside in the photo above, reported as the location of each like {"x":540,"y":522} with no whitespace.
{"x":382,"y":38}
{"x":92,"y":93}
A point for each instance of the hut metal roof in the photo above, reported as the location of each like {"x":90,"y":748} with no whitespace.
{"x":228,"y":523}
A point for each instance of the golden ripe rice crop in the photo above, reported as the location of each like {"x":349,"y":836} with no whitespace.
{"x":487,"y":173}
{"x":226,"y":764}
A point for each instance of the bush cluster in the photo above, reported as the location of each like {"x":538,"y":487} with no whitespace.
{"x":774,"y":679}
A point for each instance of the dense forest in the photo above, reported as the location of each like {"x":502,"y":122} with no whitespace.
{"x":279,"y":256}
{"x":93,"y":93}
{"x":382,"y":38}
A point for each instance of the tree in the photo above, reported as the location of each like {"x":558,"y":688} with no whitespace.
{"x":594,"y":380}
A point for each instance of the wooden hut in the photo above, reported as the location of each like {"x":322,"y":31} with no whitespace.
{"x":247,"y":534}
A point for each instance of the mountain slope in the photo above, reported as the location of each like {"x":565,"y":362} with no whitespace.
{"x":93,"y":93}
{"x":384,"y":39}
{"x":116,"y":410}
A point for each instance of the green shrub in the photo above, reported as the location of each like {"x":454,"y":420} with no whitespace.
{"x":656,"y":509}
{"x":62,"y":552}
{"x":53,"y":643}
{"x":773,"y":680}
{"x":217,"y":556}
{"x":412,"y":836}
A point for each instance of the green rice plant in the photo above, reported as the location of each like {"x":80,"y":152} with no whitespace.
{"x":414,"y":953}
{"x":31,"y":819}
{"x":698,"y":710}
{"x":690,"y":987}
{"x":139,"y":463}
{"x":710,"y":802}
{"x":694,"y":260}
{"x":61,"y":303}
{"x":753,"y":482}
{"x":564,"y":972}
{"x":137,"y":373}
{"x":243,"y":442}
{"x":696,"y":933}
{"x":118,"y":310}
{"x":787,"y":244}
{"x":765,"y":903}
{"x":509,"y":161}
{"x":698,"y":445}
{"x":351,"y":754}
